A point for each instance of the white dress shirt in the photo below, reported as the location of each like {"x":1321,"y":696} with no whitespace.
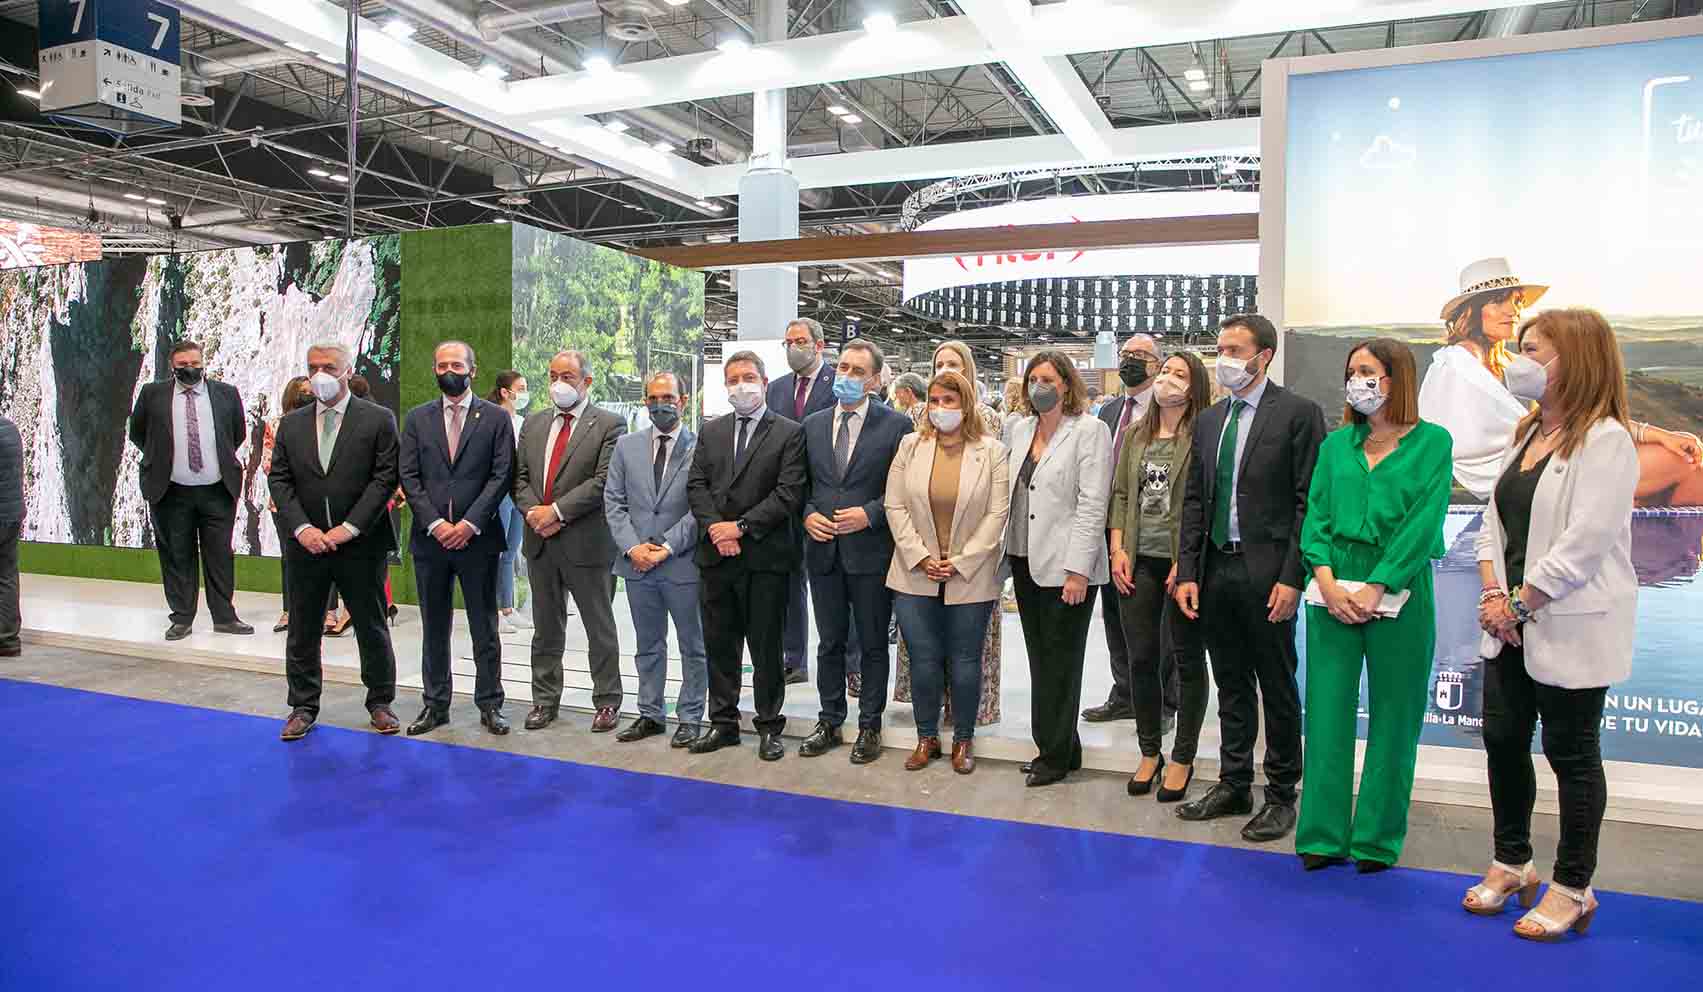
{"x":466,"y":404}
{"x":1250,"y":404}
{"x":205,"y":427}
{"x":859,"y":415}
{"x":319,"y":412}
{"x":578,"y":413}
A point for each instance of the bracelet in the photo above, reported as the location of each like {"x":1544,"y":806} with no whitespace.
{"x":1522,"y":612}
{"x":1491,"y":593}
{"x":1639,"y":431}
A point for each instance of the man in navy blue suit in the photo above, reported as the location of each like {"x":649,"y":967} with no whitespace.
{"x":807,"y":389}
{"x":849,"y":448}
{"x":457,"y":463}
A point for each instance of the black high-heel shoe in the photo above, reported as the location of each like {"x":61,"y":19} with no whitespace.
{"x":1175,"y":795}
{"x":1313,"y":862}
{"x":1371,"y":866}
{"x":1141,"y":787}
{"x":390,"y":614}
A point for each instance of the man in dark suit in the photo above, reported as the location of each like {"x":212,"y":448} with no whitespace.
{"x":558,"y":484}
{"x":745,"y":488}
{"x":1138,"y":363}
{"x":850,"y":448}
{"x":457,"y":465}
{"x":1239,"y":565}
{"x":334,"y":469}
{"x":807,"y":389}
{"x":189,"y":429}
{"x":11,"y":524}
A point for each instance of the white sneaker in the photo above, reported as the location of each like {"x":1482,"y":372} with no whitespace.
{"x":504,"y":626}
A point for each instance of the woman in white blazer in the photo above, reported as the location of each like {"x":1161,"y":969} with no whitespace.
{"x":1559,"y":596}
{"x":1060,"y":466}
{"x":946,"y":506}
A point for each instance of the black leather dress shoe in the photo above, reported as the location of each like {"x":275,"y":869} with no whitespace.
{"x":234,"y":627}
{"x":769,"y":747}
{"x":639,"y":729}
{"x":1041,"y":775}
{"x":684,"y":735}
{"x":494,"y":721}
{"x":1027,"y":766}
{"x":1108,"y":711}
{"x":714,"y":740}
{"x":1220,"y":800}
{"x":867,"y":748}
{"x":1273,"y":821}
{"x":177,"y":631}
{"x":540,"y":717}
{"x":428,"y":721}
{"x":795,"y":676}
{"x":821,"y":740}
{"x":1314,"y":862}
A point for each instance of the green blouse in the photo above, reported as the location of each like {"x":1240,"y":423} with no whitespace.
{"x":1394,"y":512}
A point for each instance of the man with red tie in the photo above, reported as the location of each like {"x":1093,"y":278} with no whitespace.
{"x":564,"y":457}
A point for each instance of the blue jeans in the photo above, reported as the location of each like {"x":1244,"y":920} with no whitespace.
{"x":940,"y":636}
{"x":514,"y":528}
{"x":652,"y":601}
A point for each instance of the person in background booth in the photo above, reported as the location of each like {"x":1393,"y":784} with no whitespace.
{"x":509,"y":392}
{"x":909,"y":394}
{"x":1144,"y":522}
{"x":1374,"y":523}
{"x":1558,"y":608}
{"x":1059,"y":464}
{"x":294,"y":394}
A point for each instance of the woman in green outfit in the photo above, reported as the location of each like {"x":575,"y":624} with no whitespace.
{"x":1374,"y":522}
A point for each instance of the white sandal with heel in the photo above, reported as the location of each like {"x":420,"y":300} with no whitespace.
{"x":1485,"y":900}
{"x":1548,"y":930}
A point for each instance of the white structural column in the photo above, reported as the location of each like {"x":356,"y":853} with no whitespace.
{"x":768,"y":199}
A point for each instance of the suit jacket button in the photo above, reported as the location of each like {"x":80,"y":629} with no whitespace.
{"x":1031,"y":516}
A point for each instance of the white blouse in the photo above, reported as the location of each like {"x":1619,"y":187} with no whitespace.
{"x":1476,"y":409}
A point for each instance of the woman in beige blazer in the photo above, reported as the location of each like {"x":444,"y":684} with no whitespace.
{"x":946,"y":506}
{"x":1557,"y":609}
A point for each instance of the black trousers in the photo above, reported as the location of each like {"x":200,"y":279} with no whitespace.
{"x":744,"y":610}
{"x":841,"y":632}
{"x":1055,"y":636}
{"x":361,"y":581}
{"x":435,"y":575}
{"x":192,"y":533}
{"x":1253,"y":662}
{"x":11,"y":620}
{"x":1572,"y":721}
{"x":1162,"y":641}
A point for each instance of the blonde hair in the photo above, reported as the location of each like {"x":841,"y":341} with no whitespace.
{"x":1591,"y":383}
{"x":958,"y":384}
{"x":958,"y":348}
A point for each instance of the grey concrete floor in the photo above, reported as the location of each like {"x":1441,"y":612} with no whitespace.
{"x":1659,"y":861}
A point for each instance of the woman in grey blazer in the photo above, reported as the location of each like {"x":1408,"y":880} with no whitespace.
{"x":1060,"y":466}
{"x":1557,"y":608}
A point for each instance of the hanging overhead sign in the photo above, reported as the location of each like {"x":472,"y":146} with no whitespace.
{"x":111,"y":64}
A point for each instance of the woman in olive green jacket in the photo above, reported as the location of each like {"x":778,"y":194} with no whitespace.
{"x":1146,"y":510}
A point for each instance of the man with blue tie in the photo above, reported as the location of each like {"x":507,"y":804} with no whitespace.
{"x":457,"y":463}
{"x":850,"y":447}
{"x":655,"y":533}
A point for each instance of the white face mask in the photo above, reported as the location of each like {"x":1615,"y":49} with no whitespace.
{"x":746,"y":397}
{"x":1234,"y":373}
{"x":325,"y":387}
{"x":564,"y":395}
{"x":1526,"y":378}
{"x":522,"y":400}
{"x":1363,"y":395}
{"x":1170,"y":391}
{"x":945,"y":421}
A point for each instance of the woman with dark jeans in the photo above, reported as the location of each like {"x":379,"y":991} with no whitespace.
{"x":1557,"y":609}
{"x":946,"y":503}
{"x":1146,"y":513}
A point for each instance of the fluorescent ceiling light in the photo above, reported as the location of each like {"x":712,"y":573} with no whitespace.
{"x":711,"y":206}
{"x":664,"y":147}
{"x":320,"y":173}
{"x":851,"y":119}
{"x":677,"y":3}
{"x":156,"y":201}
{"x":32,"y":94}
{"x":399,"y":28}
{"x":441,"y":141}
{"x":837,"y":110}
{"x":617,"y":126}
{"x":298,"y":46}
{"x":338,"y":177}
{"x":599,"y":64}
{"x":733,"y":45}
{"x":457,"y":148}
{"x":134,"y":196}
{"x":1194,"y":74}
{"x":493,"y":71}
{"x":880,"y":23}
{"x":1200,"y":85}
{"x":499,"y":220}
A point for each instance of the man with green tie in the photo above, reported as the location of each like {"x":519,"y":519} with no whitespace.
{"x":1239,"y":565}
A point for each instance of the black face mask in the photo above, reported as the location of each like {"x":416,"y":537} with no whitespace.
{"x":189,"y":375}
{"x":664,"y":415}
{"x":452,"y":383}
{"x":1133,"y":371}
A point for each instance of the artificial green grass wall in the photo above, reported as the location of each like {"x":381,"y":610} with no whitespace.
{"x":254,"y":573}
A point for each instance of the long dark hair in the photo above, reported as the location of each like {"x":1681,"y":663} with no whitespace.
{"x":1199,"y":398}
{"x":296,"y":393}
{"x":1467,"y":324}
{"x":505,"y":379}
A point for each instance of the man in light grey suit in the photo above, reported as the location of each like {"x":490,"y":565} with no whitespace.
{"x":645,"y":502}
{"x":558,"y":484}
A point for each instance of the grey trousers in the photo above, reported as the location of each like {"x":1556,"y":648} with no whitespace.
{"x":652,"y":602}
{"x":593,"y":590}
{"x":11,"y":620}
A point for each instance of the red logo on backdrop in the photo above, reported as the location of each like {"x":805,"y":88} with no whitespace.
{"x":1036,"y":256}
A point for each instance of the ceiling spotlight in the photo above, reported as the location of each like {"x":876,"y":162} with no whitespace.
{"x":338,"y":177}
{"x":837,"y":110}
{"x":664,"y":147}
{"x":134,"y":196}
{"x":318,"y":173}
{"x":156,"y":201}
{"x":851,"y":119}
{"x":1199,"y":85}
{"x":31,"y":94}
{"x":399,"y":29}
{"x":733,"y":45}
{"x":711,"y":206}
{"x":880,"y":23}
{"x":1194,"y":73}
{"x":619,"y":127}
{"x":493,"y":72}
{"x":599,"y":64}
{"x":677,"y":3}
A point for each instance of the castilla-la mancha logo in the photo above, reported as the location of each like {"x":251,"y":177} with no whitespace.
{"x":980,"y":261}
{"x":1451,"y":690}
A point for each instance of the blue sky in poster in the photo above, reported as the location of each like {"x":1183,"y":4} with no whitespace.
{"x":1584,"y":167}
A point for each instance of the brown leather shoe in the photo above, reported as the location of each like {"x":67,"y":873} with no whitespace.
{"x":384,"y":721}
{"x":963,"y":757}
{"x":604,"y":721}
{"x":928,"y":748}
{"x":297,"y":726}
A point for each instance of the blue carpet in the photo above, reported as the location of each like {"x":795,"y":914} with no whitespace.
{"x":155,"y":846}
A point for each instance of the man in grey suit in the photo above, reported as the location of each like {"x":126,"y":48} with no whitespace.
{"x":11,"y":523}
{"x":645,"y":503}
{"x":558,"y":484}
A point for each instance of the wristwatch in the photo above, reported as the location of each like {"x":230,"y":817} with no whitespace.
{"x":744,"y":528}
